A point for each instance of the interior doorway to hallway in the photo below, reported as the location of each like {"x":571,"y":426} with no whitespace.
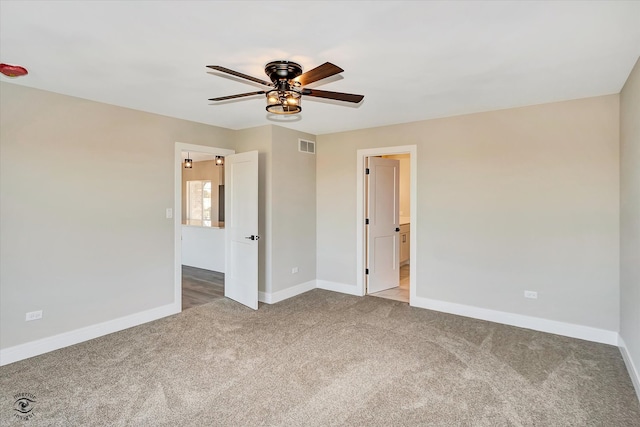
{"x":396,"y":249}
{"x":200,"y":248}
{"x":202,"y":227}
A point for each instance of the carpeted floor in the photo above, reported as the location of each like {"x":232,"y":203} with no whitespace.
{"x":323,"y":359}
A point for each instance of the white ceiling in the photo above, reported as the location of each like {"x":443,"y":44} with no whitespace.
{"x":411,"y":60}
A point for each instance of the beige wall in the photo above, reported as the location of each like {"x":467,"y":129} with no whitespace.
{"x":203,"y":171}
{"x":82,"y":216}
{"x":293,"y":210}
{"x":630,"y":216}
{"x":511,"y":200}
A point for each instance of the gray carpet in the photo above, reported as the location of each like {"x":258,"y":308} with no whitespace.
{"x":324,"y":359}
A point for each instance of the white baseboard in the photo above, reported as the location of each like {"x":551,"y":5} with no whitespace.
{"x":338,"y":287}
{"x":274,"y":297}
{"x":537,"y":324}
{"x":631,"y":367}
{"x":45,"y":345}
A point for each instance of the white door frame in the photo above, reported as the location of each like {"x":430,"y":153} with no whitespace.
{"x":177,"y":210}
{"x":361,"y":248}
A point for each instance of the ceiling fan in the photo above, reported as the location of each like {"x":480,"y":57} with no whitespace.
{"x":287,"y":81}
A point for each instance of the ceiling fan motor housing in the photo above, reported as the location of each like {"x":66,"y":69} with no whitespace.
{"x":282,"y":70}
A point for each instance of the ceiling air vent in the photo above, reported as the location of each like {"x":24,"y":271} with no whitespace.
{"x":305,"y":146}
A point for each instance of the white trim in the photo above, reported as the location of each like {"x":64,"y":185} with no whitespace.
{"x":628,"y":361}
{"x":45,"y":345}
{"x":412,"y":150}
{"x":537,"y":324}
{"x":272,"y":298}
{"x":177,"y":210}
{"x":338,"y":287}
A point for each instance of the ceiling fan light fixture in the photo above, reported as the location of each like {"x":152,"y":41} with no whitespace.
{"x":284,"y":102}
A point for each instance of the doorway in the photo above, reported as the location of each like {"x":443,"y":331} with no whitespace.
{"x":202,"y":224}
{"x":388,"y":195}
{"x":199,"y":227}
{"x":405,"y":289}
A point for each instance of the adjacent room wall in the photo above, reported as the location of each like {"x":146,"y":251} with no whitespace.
{"x":202,"y":171}
{"x":630,"y":220}
{"x":405,"y":184}
{"x":83,"y":192}
{"x":511,"y":200}
{"x":203,"y":246}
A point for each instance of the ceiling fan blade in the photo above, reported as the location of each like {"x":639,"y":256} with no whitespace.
{"x":348,"y":97}
{"x":320,"y":72}
{"x":240,"y":95}
{"x":238,"y":74}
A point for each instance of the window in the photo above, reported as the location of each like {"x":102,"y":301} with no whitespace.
{"x":199,"y":202}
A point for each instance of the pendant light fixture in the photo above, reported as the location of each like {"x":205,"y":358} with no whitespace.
{"x":219,"y":161}
{"x":188,"y":163}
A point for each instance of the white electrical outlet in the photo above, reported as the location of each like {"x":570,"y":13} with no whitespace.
{"x":531,"y":294}
{"x":33,"y":315}
{"x":294,"y":270}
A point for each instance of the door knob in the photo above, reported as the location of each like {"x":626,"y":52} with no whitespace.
{"x":397,"y":229}
{"x":253,"y":237}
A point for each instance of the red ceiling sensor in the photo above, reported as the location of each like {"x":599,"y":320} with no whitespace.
{"x":13,"y":70}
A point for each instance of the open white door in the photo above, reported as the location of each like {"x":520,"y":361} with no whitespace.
{"x":241,"y":228}
{"x":383,"y":249}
